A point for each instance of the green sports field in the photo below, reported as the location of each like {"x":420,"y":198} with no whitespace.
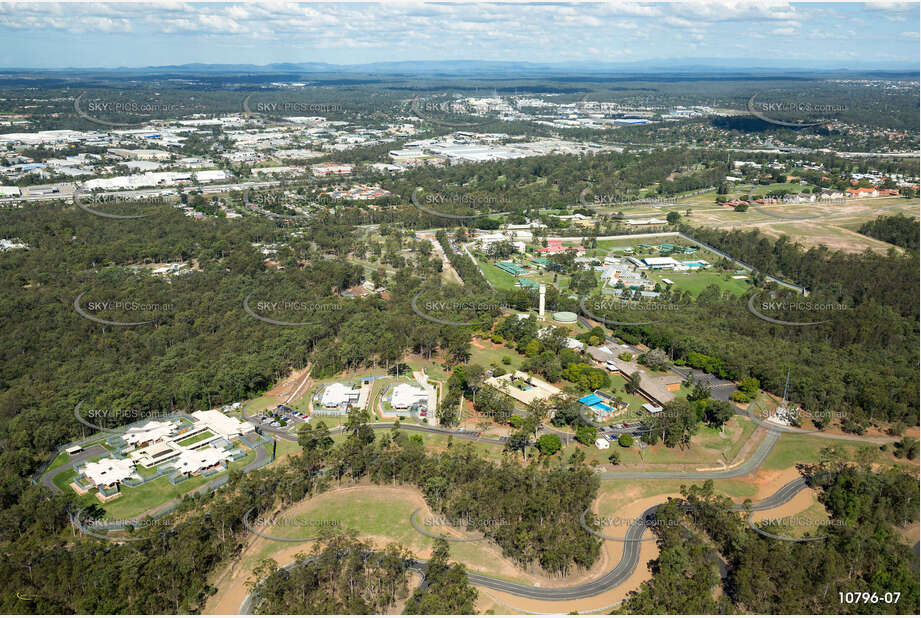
{"x":696,"y":281}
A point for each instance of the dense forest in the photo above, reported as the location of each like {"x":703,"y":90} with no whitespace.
{"x":528,"y":511}
{"x":346,"y":576}
{"x":343,"y":576}
{"x":898,"y":230}
{"x":860,"y":551}
{"x":447,"y":590}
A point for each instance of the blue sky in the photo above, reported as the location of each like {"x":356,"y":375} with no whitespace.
{"x":840,"y":35}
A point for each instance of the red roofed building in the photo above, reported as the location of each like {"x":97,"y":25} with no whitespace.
{"x":863,"y":192}
{"x":556,"y":246}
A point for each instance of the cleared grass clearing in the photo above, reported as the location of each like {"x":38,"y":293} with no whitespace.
{"x":709,"y":448}
{"x":696,"y":281}
{"x":792,"y":449}
{"x":382,"y":515}
{"x":486,"y":353}
{"x":632,"y":242}
{"x":614,"y":495}
{"x":500,"y":279}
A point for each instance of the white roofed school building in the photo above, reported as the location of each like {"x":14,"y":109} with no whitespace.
{"x":337,"y":395}
{"x":406,"y":396}
{"x":659,"y":263}
{"x":108,"y":471}
{"x":225,"y":426}
{"x":150,"y":432}
{"x":194,"y":461}
{"x":105,"y":475}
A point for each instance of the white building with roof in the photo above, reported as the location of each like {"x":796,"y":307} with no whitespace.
{"x":150,"y":432}
{"x":225,"y":426}
{"x":338,"y":394}
{"x":406,"y":396}
{"x":194,"y":461}
{"x":210,"y":175}
{"x":154,"y":454}
{"x":108,"y":471}
{"x":649,"y":221}
{"x":661,"y":262}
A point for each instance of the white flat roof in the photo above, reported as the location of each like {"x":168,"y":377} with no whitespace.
{"x":222,"y":424}
{"x":660,"y":261}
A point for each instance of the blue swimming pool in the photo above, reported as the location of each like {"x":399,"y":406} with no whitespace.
{"x":603,"y":407}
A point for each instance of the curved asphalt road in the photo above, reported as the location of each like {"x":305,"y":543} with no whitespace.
{"x":47,"y":479}
{"x":613,"y":578}
{"x":628,"y":562}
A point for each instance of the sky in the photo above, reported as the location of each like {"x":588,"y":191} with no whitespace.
{"x":808,"y":35}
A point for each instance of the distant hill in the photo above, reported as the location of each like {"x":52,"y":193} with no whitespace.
{"x":451,"y":68}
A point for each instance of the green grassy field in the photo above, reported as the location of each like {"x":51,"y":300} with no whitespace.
{"x":607,"y":245}
{"x":196,"y":439}
{"x":62,"y":480}
{"x":792,"y":449}
{"x":617,"y":388}
{"x":741,"y":189}
{"x":614,"y":495}
{"x":486,"y":354}
{"x":373,"y":511}
{"x":61,"y":459}
{"x":284,"y":448}
{"x":259,"y":404}
{"x":696,"y":281}
{"x":708,"y":448}
{"x":432,"y":368}
{"x":500,"y":279}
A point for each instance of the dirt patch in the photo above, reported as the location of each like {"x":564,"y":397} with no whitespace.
{"x":768,"y":482}
{"x":283,"y":389}
{"x":800,"y":502}
{"x":911,"y":533}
